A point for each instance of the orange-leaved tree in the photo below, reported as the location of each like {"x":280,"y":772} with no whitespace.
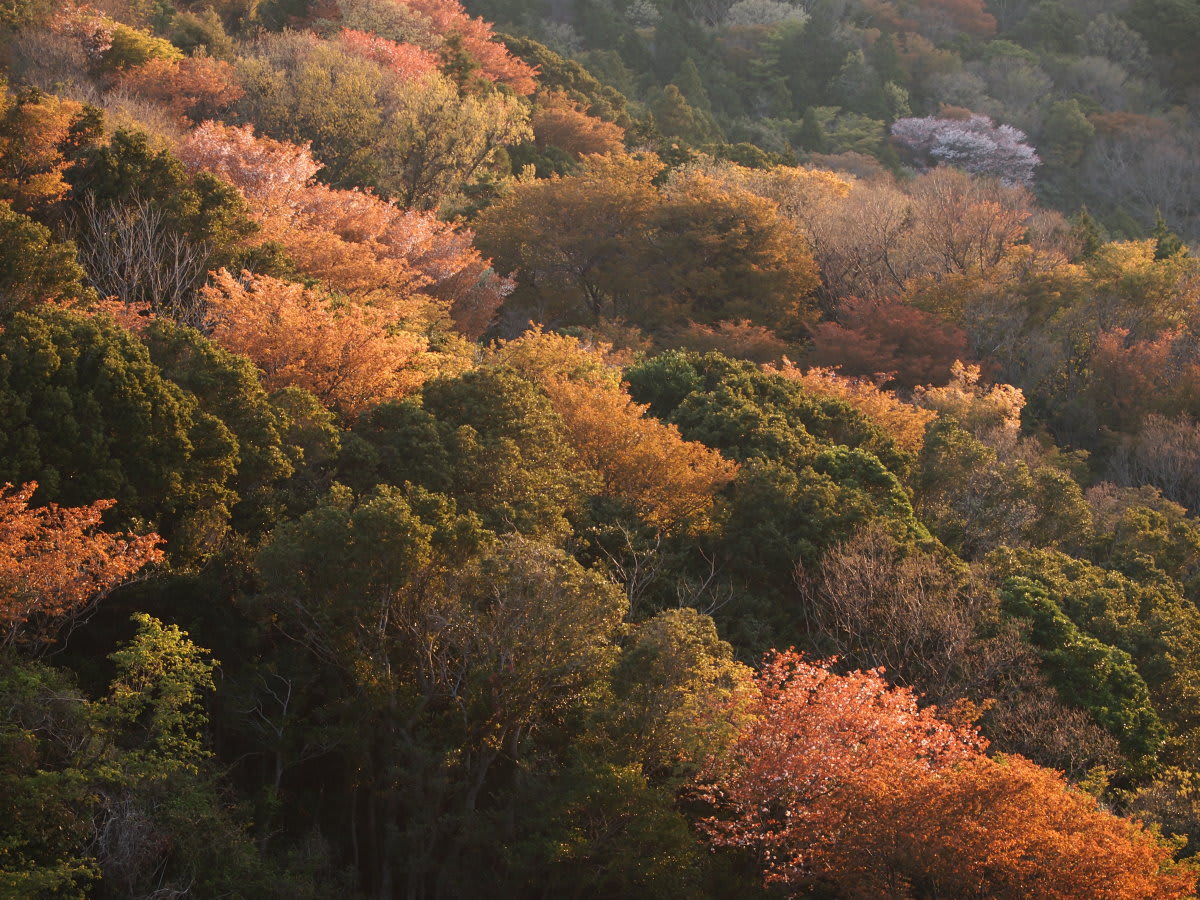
{"x":842,"y":781}
{"x":55,"y":563}
{"x":198,"y":87}
{"x":561,"y":121}
{"x":345,"y":354}
{"x":641,"y":460}
{"x":35,"y":129}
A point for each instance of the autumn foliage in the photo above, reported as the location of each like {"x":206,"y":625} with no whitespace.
{"x":33,"y":131}
{"x":641,"y":460}
{"x":845,"y":782}
{"x":196,"y":88}
{"x":55,"y":563}
{"x":1132,"y":378}
{"x":562,"y":122}
{"x":354,"y":241}
{"x":345,"y":354}
{"x":905,"y":422}
{"x":407,"y":61}
{"x":666,"y":480}
{"x":497,"y":65}
{"x":889,"y":337}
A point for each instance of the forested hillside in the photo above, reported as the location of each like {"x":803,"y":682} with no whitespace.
{"x":599,"y":449}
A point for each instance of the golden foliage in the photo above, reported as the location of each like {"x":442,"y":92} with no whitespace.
{"x":33,"y":131}
{"x":645,"y":462}
{"x":979,"y":409}
{"x":546,"y":356}
{"x":561,"y":122}
{"x":667,"y":480}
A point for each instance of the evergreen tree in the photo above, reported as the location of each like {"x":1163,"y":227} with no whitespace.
{"x":812,"y":133}
{"x":691,"y":85}
{"x":1087,"y":231}
{"x":1167,"y":244}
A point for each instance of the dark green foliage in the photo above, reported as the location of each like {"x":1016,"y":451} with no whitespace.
{"x":1089,"y":673}
{"x":575,"y":850}
{"x":491,"y":439}
{"x":1147,"y":619}
{"x":119,"y":787}
{"x":691,"y":85}
{"x":812,"y":133}
{"x":1066,"y":135}
{"x":202,"y":207}
{"x":45,"y":803}
{"x":89,"y":416}
{"x":465,"y":658}
{"x":227,"y":387}
{"x":1088,"y":232}
{"x":191,"y":31}
{"x":734,"y":407}
{"x":814,"y":471}
{"x":1171,"y":29}
{"x":1150,"y":538}
{"x":975,"y":501}
{"x":1167,"y":244}
{"x":34,"y":267}
{"x":781,"y":516}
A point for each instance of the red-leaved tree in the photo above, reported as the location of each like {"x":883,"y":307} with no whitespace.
{"x":408,"y":61}
{"x":889,"y":336}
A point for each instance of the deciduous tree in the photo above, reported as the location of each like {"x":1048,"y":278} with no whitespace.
{"x":846,"y":783}
{"x":346,"y":355}
{"x":55,"y":563}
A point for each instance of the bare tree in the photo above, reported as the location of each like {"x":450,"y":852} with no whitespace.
{"x":131,"y":252}
{"x":1164,"y":453}
{"x":938,"y":629}
{"x":876,"y":606}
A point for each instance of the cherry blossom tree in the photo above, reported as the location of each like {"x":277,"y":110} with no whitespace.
{"x":975,"y":144}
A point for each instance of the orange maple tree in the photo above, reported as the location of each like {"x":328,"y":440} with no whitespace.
{"x":641,"y":460}
{"x":55,"y":563}
{"x":842,"y":781}
{"x":562,"y":122}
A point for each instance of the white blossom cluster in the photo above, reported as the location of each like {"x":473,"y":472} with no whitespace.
{"x":764,"y":12}
{"x":976,"y":145}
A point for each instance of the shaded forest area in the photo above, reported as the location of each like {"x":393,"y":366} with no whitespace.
{"x":629,"y":450}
